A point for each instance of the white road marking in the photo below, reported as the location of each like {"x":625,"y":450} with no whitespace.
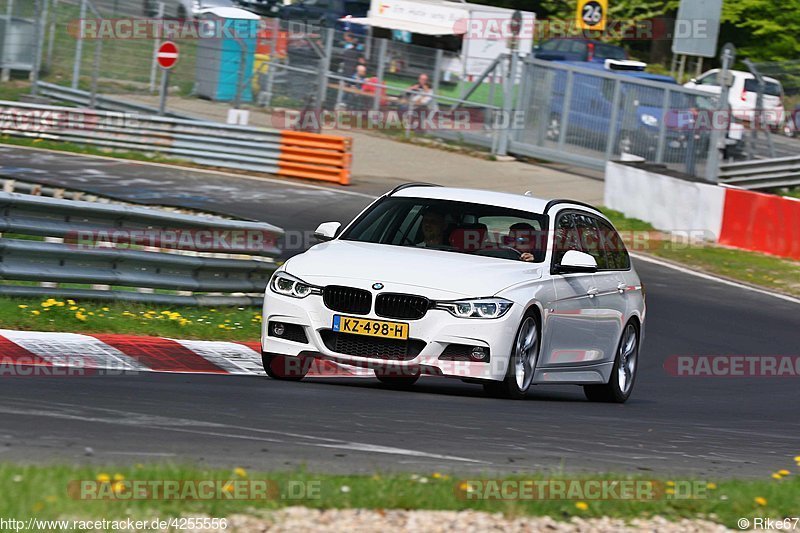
{"x":184,"y":425}
{"x":711,"y":277}
{"x":231,"y":357}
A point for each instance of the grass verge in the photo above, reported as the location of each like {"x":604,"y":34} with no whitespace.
{"x":774,"y":273}
{"x":45,"y":492}
{"x":223,"y":323}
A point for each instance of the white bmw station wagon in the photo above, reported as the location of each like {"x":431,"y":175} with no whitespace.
{"x":498,"y":289}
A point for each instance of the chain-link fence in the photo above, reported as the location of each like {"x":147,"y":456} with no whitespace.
{"x":301,"y":76}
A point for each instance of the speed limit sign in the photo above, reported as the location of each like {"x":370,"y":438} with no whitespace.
{"x":591,"y":14}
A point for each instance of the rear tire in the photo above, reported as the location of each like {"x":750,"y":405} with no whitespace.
{"x":623,"y":373}
{"x":285,"y":368}
{"x":522,"y":363}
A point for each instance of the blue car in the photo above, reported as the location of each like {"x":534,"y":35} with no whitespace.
{"x":638,"y":122}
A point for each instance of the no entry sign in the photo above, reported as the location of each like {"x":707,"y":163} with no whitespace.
{"x":167,"y":55}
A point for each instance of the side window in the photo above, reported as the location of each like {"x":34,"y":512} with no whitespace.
{"x":565,"y":237}
{"x":614,"y":247}
{"x":590,"y":239}
{"x":708,"y":79}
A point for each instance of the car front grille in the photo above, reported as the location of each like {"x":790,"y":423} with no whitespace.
{"x":347,"y":299}
{"x":373,"y":347}
{"x":403,"y":306}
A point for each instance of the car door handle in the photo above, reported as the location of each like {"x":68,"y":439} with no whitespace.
{"x":621,"y":287}
{"x":592,"y":292}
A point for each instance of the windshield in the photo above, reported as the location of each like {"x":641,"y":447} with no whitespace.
{"x":458,"y":227}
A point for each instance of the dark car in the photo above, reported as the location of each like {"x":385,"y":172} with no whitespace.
{"x":578,"y":50}
{"x":324,"y":13}
{"x":265,"y":8}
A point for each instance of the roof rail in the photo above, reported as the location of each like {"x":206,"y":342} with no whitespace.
{"x":551,"y":203}
{"x":412,"y":184}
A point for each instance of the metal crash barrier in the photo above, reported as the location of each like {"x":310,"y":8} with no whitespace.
{"x":279,"y":152}
{"x":78,"y":249}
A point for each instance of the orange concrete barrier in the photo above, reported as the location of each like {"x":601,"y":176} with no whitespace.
{"x":315,"y":156}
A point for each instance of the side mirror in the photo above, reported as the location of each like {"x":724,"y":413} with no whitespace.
{"x":327,"y":231}
{"x":575,"y":262}
{"x":693,"y":81}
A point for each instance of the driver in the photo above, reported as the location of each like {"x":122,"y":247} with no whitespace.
{"x":433,"y":229}
{"x":522,"y":237}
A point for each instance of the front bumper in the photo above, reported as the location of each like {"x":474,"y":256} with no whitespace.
{"x":434,"y":332}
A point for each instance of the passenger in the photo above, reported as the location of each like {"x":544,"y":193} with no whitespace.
{"x":523,"y":238}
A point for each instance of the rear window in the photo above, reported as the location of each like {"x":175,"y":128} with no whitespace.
{"x":770,"y":88}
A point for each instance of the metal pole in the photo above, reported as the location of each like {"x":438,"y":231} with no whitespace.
{"x":156,"y":46}
{"x":52,"y":35}
{"x":38,"y":40}
{"x":562,"y":135}
{"x":376,"y":101}
{"x":662,"y":127}
{"x":616,"y":100}
{"x":325,"y":65}
{"x":98,"y":52}
{"x":699,"y":69}
{"x":713,"y":159}
{"x":76,"y":67}
{"x":508,"y":104}
{"x":5,"y":74}
{"x":162,"y":103}
{"x":437,"y":70}
{"x":681,"y":67}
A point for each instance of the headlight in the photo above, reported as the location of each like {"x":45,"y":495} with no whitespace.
{"x":478,"y":308}
{"x":649,"y":120}
{"x":288,"y":285}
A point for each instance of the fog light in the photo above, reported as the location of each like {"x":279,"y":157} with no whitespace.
{"x":478,"y":353}
{"x":278,"y":329}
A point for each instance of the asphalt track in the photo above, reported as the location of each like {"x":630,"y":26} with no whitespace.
{"x":712,"y":427}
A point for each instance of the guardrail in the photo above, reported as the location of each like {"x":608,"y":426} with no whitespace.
{"x":132,"y":252}
{"x":762,"y":173}
{"x":280,"y":152}
{"x":84,"y":98}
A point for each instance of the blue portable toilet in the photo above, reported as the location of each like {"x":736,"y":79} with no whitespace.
{"x":225,"y":33}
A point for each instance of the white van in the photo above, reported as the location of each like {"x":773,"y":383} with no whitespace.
{"x":742,"y":95}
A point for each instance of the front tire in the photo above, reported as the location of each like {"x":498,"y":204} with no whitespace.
{"x":623,"y":373}
{"x":522,"y":363}
{"x":284,"y":368}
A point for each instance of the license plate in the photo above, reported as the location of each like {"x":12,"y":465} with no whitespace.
{"x":367,"y":326}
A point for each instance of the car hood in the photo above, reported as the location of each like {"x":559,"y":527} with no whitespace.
{"x":432,"y":273}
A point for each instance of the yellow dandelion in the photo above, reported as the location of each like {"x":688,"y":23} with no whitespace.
{"x":103,"y":478}
{"x":221,"y":326}
{"x":73,"y":308}
{"x":760,"y":501}
{"x":239,"y":471}
{"x":463,"y":486}
{"x":228,"y":487}
{"x":35,"y":312}
{"x":711,"y":486}
{"x":670,"y":491}
{"x":784,"y":472}
{"x":59,"y":304}
{"x":80,"y":316}
{"x":105,"y":309}
{"x":776,"y":475}
{"x":118,"y":486}
{"x":119,"y":477}
{"x":38,"y":506}
{"x":71,"y":302}
{"x":670,"y":483}
{"x":582,"y":506}
{"x":23,"y":306}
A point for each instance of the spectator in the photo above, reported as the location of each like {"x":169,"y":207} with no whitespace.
{"x":355,"y":94}
{"x":421,"y":93}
